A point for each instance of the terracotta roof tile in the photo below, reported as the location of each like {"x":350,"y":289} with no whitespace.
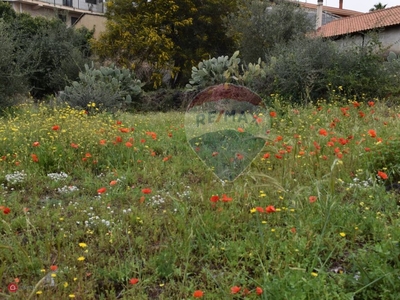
{"x":376,"y":19}
{"x":333,"y":10}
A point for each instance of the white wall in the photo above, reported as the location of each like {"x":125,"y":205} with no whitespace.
{"x":390,"y":38}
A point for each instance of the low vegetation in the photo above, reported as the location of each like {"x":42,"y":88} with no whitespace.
{"x":106,"y":206}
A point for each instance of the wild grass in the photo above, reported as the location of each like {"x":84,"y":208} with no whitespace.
{"x":118,"y":206}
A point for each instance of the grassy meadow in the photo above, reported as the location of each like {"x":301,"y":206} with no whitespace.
{"x":119,"y":206}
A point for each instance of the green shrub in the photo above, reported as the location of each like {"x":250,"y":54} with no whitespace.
{"x":261,"y":26}
{"x":15,"y":65}
{"x":109,"y":87}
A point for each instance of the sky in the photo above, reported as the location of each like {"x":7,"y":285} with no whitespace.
{"x":358,"y":5}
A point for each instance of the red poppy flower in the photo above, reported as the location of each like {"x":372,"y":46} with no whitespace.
{"x":101,"y":190}
{"x":152,"y":134}
{"x":113,"y":182}
{"x":118,"y":122}
{"x":293,"y":230}
{"x":239,"y":156}
{"x":36,"y":144}
{"x":146,"y":191}
{"x":102,"y":142}
{"x":260,"y":209}
{"x":259,"y":290}
{"x":343,"y":141}
{"x":312,"y":199}
{"x":371,"y":103}
{"x":198,"y":294}
{"x":167,"y":158}
{"x":6,"y":210}
{"x":53,"y":268}
{"x":74,"y":146}
{"x":34,"y":158}
{"x":235,"y":289}
{"x":323,"y":132}
{"x":316,"y":145}
{"x":272,"y":114}
{"x":55,"y":127}
{"x":133,"y":281}
{"x":142,"y":141}
{"x":383,"y":175}
{"x":266,"y":155}
{"x":128,"y":144}
{"x":124,"y":130}
{"x":225,"y":198}
{"x":240,"y":129}
{"x":372,"y":133}
{"x":87,"y":155}
{"x":214,"y":198}
{"x":118,"y":139}
{"x":270,"y":209}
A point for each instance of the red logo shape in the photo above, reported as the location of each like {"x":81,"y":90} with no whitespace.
{"x":12,"y":287}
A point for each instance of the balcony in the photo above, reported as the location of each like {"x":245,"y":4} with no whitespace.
{"x":96,"y":7}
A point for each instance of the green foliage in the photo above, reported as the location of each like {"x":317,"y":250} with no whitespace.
{"x":57,"y":52}
{"x":307,"y":69}
{"x":6,"y":11}
{"x":261,"y":26}
{"x":388,"y":159}
{"x":108,"y":87}
{"x":63,"y":53}
{"x":16,"y":64}
{"x":164,"y":36}
{"x":298,"y":70}
{"x":225,"y":70}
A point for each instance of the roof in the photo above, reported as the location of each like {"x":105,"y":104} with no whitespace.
{"x":364,"y":22}
{"x":333,"y":10}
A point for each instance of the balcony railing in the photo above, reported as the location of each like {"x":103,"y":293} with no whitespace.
{"x":95,"y":6}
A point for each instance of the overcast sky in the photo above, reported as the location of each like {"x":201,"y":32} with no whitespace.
{"x":358,"y":5}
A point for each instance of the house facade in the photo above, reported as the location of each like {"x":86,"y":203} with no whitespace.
{"x":77,"y":13}
{"x":329,"y":13}
{"x":357,"y":30}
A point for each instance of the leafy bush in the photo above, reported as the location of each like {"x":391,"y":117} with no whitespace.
{"x":63,"y":52}
{"x":53,"y":54}
{"x":261,"y":26}
{"x":15,"y":65}
{"x":108,"y":87}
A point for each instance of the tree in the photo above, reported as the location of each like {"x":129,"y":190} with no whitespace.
{"x":260,"y":26}
{"x":57,"y":52}
{"x":15,"y":65}
{"x":164,"y":35}
{"x":378,"y":6}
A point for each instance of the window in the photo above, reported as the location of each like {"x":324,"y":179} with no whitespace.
{"x":67,"y":3}
{"x":73,"y":20}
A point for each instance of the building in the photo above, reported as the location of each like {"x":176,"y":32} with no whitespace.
{"x":77,"y":13}
{"x":329,"y":13}
{"x":354,"y":30}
